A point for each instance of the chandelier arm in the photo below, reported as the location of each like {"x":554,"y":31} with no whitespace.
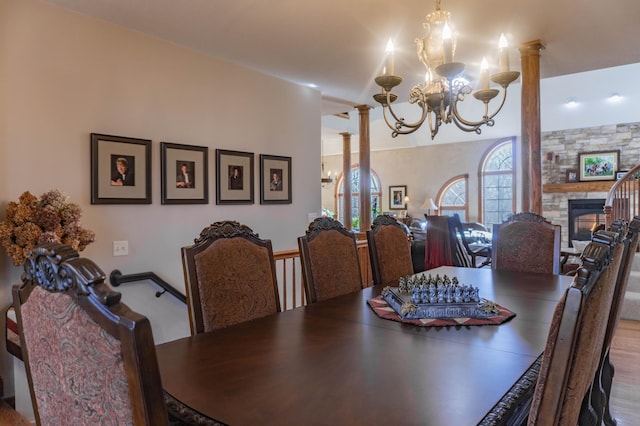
{"x":400,"y":123}
{"x":473,"y":126}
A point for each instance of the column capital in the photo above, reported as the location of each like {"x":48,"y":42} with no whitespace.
{"x":532,"y":47}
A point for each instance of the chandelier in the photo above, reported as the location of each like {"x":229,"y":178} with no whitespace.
{"x":324,"y":179}
{"x":443,"y":87}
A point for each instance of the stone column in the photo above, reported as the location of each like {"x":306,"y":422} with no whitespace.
{"x":531,"y":149}
{"x":346,"y":174}
{"x":365,"y":169}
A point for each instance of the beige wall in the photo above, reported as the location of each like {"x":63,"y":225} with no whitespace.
{"x":64,"y":75}
{"x":423,"y":169}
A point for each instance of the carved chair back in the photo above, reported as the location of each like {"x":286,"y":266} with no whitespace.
{"x":389,"y":251}
{"x":601,"y":391}
{"x":576,"y":337}
{"x":230,"y":277}
{"x":526,"y":242}
{"x":330,"y":264}
{"x":89,"y":358}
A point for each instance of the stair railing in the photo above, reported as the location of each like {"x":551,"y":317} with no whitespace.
{"x":622,"y":202}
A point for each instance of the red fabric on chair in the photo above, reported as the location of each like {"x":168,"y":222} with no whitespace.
{"x":438,"y":243}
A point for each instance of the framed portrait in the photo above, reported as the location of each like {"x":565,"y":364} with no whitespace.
{"x":571,"y":176}
{"x":600,"y":165}
{"x":234,"y":179}
{"x":184,"y":176}
{"x":120,"y":170}
{"x":396,"y":197}
{"x":275,"y":179}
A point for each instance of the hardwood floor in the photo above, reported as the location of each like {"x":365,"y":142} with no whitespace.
{"x":625,"y":356}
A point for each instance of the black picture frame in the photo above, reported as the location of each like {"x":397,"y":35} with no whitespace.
{"x":272,"y":190}
{"x":108,"y":153}
{"x":184,"y":173}
{"x":234,"y":177}
{"x":396,"y":197}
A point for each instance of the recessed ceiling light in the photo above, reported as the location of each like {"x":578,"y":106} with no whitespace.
{"x":572,"y":102}
{"x":312,"y":85}
{"x":615,"y":97}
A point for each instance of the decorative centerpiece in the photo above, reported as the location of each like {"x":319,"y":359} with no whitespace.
{"x":48,"y":219}
{"x":428,"y":297}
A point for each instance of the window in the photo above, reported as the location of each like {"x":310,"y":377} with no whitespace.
{"x":497,"y":183}
{"x":452,"y":197}
{"x":376,"y":196}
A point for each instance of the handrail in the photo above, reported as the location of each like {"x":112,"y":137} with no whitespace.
{"x":117,"y":278}
{"x":623,"y":198}
{"x":287,"y":266}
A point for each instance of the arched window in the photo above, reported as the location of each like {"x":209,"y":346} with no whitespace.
{"x":497,"y":183}
{"x":452,"y":197}
{"x":376,"y":196}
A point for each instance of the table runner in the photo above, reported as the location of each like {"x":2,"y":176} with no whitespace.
{"x":383,"y":310}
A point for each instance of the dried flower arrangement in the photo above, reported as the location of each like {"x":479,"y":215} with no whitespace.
{"x":48,"y":219}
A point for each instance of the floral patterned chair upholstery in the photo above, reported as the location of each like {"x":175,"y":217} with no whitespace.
{"x":389,"y":251}
{"x":330,"y":264}
{"x":526,"y":242}
{"x":89,"y":358}
{"x":575,"y":340}
{"x":230,"y":277}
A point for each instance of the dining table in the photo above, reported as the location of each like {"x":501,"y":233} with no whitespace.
{"x":337,"y":362}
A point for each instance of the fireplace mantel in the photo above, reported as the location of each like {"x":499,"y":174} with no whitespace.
{"x":597,"y":186}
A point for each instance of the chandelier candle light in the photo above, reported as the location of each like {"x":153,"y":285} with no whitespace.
{"x":443,"y":87}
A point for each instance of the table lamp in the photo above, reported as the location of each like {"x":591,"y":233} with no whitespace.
{"x":429,"y":205}
{"x":406,"y":204}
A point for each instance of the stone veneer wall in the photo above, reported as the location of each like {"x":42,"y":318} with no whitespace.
{"x":567,"y":145}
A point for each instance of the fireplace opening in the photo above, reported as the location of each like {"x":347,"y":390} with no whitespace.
{"x":584,"y":216}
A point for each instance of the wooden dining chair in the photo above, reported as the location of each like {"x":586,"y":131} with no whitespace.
{"x":89,"y":358}
{"x":526,"y":242}
{"x":576,"y":338}
{"x":230,"y":277}
{"x":474,"y":253}
{"x":329,"y":257}
{"x":389,"y":251}
{"x":604,"y":377}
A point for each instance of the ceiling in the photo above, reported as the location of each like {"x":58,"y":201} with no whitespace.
{"x":338,"y":45}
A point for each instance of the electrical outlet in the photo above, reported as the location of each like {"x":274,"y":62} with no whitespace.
{"x":121,"y":248}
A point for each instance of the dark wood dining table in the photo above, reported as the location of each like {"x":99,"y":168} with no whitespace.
{"x":338,"y":363}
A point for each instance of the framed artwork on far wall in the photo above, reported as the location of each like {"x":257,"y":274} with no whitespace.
{"x":120,"y":170}
{"x":571,"y":176}
{"x":620,"y":174}
{"x":601,"y":165}
{"x":184,"y":175}
{"x":275,"y":179}
{"x":234,"y":177}
{"x":396,"y":197}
